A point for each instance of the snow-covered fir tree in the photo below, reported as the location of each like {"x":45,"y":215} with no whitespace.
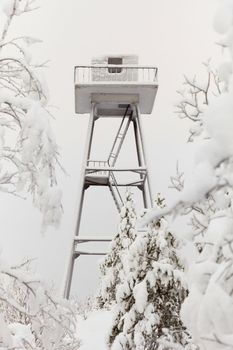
{"x":112,"y":265}
{"x":207,"y":193}
{"x":150,"y":295}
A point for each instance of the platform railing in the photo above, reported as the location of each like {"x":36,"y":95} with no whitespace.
{"x":98,"y":163}
{"x":115,"y":73}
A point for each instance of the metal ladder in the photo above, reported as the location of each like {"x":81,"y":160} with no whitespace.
{"x":120,"y":136}
{"x":115,"y":192}
{"x":115,"y":150}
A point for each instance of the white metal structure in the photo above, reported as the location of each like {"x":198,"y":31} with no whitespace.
{"x":112,"y":87}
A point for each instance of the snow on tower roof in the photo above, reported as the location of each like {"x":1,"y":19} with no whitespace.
{"x":125,"y":59}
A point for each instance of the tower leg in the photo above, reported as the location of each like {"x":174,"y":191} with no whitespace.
{"x":143,"y":184}
{"x":140,"y":146}
{"x":66,"y":292}
{"x":72,"y":256}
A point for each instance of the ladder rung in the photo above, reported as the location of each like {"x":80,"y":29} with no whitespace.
{"x":92,"y":238}
{"x":88,"y":252}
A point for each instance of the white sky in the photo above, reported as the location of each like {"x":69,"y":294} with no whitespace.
{"x":174,"y":35}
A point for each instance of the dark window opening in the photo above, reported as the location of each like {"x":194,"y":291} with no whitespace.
{"x":115,"y":61}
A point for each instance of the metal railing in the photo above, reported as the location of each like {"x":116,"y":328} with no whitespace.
{"x":115,"y":73}
{"x":98,"y":163}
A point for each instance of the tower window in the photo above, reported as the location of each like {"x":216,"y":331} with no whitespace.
{"x":115,"y":61}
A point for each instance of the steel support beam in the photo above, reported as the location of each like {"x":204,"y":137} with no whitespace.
{"x":89,"y":177}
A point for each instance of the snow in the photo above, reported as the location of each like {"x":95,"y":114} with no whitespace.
{"x":218,"y":122}
{"x":224,"y":72}
{"x":208,"y":309}
{"x":140,"y":294}
{"x":21,"y":334}
{"x":93,"y":331}
{"x":8,"y":6}
{"x":5,"y":335}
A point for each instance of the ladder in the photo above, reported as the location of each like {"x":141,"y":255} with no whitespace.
{"x":115,"y":150}
{"x":115,"y":192}
{"x":119,"y":139}
{"x":108,"y":176}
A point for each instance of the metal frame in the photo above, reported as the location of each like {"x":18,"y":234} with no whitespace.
{"x":143,"y":184}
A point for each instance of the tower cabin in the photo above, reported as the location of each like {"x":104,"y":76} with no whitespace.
{"x":114,"y":82}
{"x":117,"y":86}
{"x":112,"y":86}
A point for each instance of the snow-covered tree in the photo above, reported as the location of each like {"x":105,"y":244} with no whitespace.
{"x":28,"y":151}
{"x":207,"y":193}
{"x":30,"y":317}
{"x":150,"y":295}
{"x":112,"y":265}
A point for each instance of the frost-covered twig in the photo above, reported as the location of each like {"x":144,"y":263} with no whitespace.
{"x":23,"y":300}
{"x":29,"y":157}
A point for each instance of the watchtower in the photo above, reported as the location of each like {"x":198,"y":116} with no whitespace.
{"x":112,"y":87}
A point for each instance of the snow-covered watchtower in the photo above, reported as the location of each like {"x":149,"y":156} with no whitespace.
{"x":112,"y":87}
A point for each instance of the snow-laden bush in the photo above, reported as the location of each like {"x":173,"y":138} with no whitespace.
{"x":30,"y":317}
{"x":28,"y":151}
{"x":112,"y":265}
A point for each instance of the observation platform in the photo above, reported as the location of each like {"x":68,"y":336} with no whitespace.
{"x":113,"y":87}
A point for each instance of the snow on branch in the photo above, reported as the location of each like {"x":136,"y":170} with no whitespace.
{"x":207,"y":194}
{"x":28,"y":151}
{"x":31,"y":318}
{"x":195,"y":97}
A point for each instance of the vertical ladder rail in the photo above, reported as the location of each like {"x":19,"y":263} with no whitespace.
{"x":119,"y":139}
{"x":147,"y":193}
{"x":115,"y":192}
{"x":115,"y":150}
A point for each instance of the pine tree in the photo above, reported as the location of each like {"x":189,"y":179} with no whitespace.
{"x":150,"y":295}
{"x":111,"y":268}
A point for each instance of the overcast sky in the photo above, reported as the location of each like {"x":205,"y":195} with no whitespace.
{"x":174,"y":35}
